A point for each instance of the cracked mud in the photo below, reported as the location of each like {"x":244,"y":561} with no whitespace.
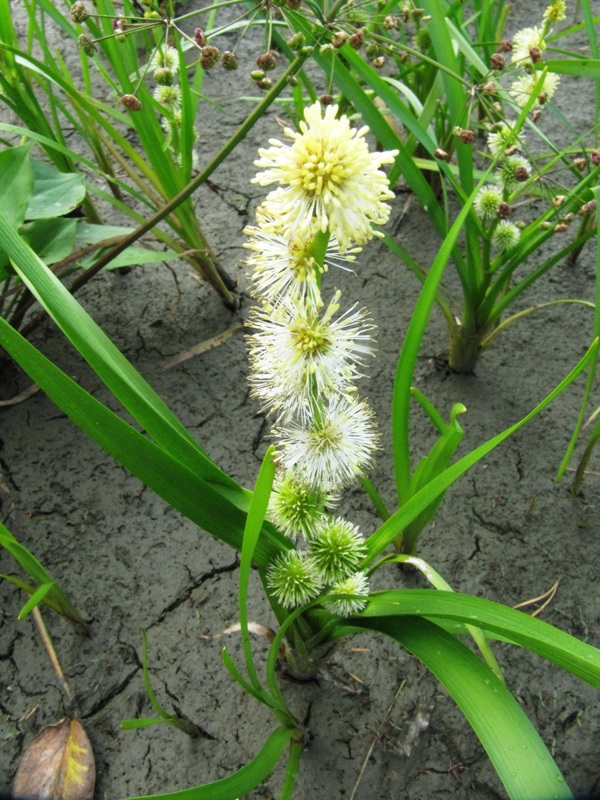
{"x":381,"y":727}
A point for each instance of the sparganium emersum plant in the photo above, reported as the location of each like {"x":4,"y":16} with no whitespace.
{"x":306,"y":355}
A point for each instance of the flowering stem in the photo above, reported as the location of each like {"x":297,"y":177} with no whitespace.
{"x":318,"y":250}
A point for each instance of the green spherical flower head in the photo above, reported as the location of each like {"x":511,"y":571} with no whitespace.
{"x":337,"y":549}
{"x":293,"y":579}
{"x":487,"y":201}
{"x":294,"y":508}
{"x":357,"y":589}
{"x":506,"y":236}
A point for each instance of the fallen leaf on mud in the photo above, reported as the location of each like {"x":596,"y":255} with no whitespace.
{"x":57,"y":765}
{"x":202,"y":347}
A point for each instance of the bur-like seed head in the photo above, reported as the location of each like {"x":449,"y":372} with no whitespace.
{"x":209,"y":56}
{"x":327,"y":100}
{"x":465,"y":136}
{"x":562,"y":227}
{"x":131,"y":102}
{"x":257,"y":75}
{"x":579,"y":164}
{"x":337,"y":549}
{"x":442,"y":155}
{"x":294,"y":508}
{"x":595,"y":157}
{"x":294,"y":4}
{"x":199,"y":37}
{"x":293,"y":579}
{"x":504,"y":46}
{"x":265,"y":84}
{"x":79,"y":12}
{"x":229,"y":61}
{"x":506,"y":236}
{"x":587,"y":208}
{"x":497,"y":62}
{"x":378,"y":62}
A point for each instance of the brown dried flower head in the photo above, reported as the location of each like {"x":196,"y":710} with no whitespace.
{"x":497,"y":62}
{"x":130,"y":102}
{"x":229,"y":61}
{"x":357,"y":40}
{"x":338,"y":39}
{"x":79,"y":12}
{"x":199,"y":37}
{"x":209,"y":56}
{"x":267,"y":61}
{"x":503,"y":211}
{"x":504,"y":46}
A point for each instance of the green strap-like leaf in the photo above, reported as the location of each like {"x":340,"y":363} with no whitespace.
{"x":565,"y":650}
{"x":241,"y":782}
{"x":514,"y":747}
{"x":181,"y":487}
{"x":112,"y":367}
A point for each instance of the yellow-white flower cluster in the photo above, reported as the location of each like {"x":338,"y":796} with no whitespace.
{"x":528,"y":46}
{"x":305,"y":354}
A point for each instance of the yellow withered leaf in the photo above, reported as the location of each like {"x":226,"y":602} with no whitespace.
{"x":57,"y":765}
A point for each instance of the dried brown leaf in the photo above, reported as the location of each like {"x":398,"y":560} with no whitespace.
{"x":57,"y":765}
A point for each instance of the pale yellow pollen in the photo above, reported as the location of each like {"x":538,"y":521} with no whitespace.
{"x":311,"y":338}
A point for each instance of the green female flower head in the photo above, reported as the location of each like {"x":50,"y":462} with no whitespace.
{"x":506,"y":236}
{"x":294,"y":508}
{"x":293,"y":579}
{"x":337,"y":549}
{"x":488,"y":201}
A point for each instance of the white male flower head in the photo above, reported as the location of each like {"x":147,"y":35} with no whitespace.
{"x":332,"y":449}
{"x":525,"y":42}
{"x":356,"y":589}
{"x":297,"y":352}
{"x":283,"y":265}
{"x":336,"y":549}
{"x":294,"y":508}
{"x":293,"y":579}
{"x":329,"y":180}
{"x":522,"y":89}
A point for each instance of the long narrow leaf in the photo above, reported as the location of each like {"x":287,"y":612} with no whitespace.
{"x":209,"y":507}
{"x":112,"y":367}
{"x":392,"y":527}
{"x":561,"y":648}
{"x":241,"y":782}
{"x":519,"y":756}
